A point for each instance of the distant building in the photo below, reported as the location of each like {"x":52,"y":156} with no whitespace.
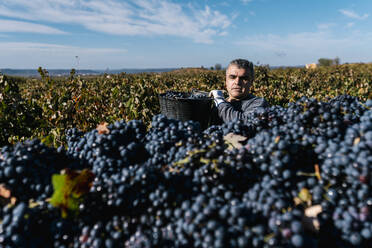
{"x":310,"y":66}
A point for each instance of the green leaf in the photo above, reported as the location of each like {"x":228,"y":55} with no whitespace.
{"x":58,"y":199}
{"x":69,"y":189}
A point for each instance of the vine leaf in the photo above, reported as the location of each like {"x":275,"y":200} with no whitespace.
{"x":69,"y":187}
{"x":304,"y":196}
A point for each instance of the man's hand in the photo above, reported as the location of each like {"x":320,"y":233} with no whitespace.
{"x":218,"y":96}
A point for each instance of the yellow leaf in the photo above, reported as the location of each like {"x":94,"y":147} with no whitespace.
{"x":205,"y":161}
{"x":182,"y":161}
{"x":297,"y":201}
{"x":305,"y":195}
{"x":356,"y":141}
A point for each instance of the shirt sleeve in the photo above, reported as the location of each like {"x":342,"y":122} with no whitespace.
{"x":227,"y":112}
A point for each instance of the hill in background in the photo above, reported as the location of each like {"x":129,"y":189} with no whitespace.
{"x":65,"y":72}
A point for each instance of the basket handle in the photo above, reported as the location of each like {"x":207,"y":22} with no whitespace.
{"x":195,"y":91}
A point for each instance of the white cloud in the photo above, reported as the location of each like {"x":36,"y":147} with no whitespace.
{"x":55,"y":55}
{"x":353,"y":15}
{"x":54,"y":48}
{"x":223,"y":33}
{"x":10,"y":26}
{"x":326,"y":25}
{"x":247,"y":19}
{"x":350,"y":24}
{"x":141,"y":17}
{"x":306,"y":47}
{"x":246,"y":1}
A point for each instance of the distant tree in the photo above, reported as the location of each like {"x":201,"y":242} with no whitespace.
{"x":211,"y":67}
{"x":325,"y":62}
{"x":217,"y":67}
{"x":328,"y":62}
{"x":337,"y":61}
{"x":44,"y":74}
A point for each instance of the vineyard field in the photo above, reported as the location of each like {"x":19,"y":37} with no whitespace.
{"x":91,"y":162}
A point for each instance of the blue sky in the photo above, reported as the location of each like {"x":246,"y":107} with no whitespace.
{"x":100,"y":34}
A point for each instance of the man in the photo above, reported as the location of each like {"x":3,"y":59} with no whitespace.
{"x":239,"y":79}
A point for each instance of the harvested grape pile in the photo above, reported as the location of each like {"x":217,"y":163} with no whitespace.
{"x":291,"y":177}
{"x":184,"y":95}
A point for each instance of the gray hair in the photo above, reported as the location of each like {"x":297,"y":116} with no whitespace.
{"x":243,"y":64}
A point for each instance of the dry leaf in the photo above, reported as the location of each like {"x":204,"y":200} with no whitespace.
{"x":102,"y":128}
{"x":6,"y":196}
{"x":305,"y":196}
{"x":356,"y":141}
{"x":297,"y":201}
{"x":313,"y":211}
{"x":310,"y":219}
{"x":4,"y":192}
{"x":234,"y":140}
{"x":33,"y":204}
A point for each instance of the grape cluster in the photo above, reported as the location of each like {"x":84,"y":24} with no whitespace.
{"x":108,"y":154}
{"x":175,"y":185}
{"x":26,"y":169}
{"x":21,"y":227}
{"x":184,"y":95}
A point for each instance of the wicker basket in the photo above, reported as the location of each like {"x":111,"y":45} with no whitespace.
{"x":185,"y":109}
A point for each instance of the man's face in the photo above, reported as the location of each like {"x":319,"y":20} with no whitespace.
{"x":238,"y":82}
